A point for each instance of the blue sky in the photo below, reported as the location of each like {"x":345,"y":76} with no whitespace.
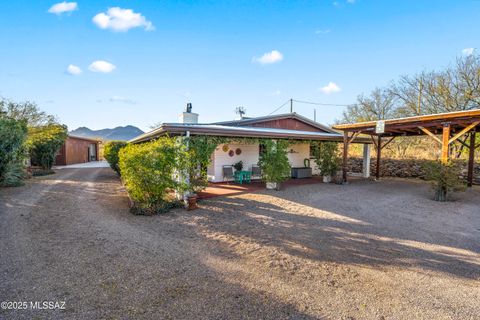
{"x":219,"y":54}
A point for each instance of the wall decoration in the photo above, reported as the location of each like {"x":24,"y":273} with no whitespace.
{"x":225,"y":148}
{"x":238,"y":151}
{"x":231,"y":153}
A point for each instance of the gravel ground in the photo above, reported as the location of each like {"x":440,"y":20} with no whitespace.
{"x":367,"y":250}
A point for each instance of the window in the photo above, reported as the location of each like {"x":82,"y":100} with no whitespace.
{"x":261,"y":149}
{"x":313,"y":150}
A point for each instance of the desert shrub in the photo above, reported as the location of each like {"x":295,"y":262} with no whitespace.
{"x":151,"y":173}
{"x":110,"y":153}
{"x":445,"y":178}
{"x":326,"y":157}
{"x":44,"y":142}
{"x":13,"y":134}
{"x":274,"y":161}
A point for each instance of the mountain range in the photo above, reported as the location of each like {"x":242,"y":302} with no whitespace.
{"x":118,"y":133}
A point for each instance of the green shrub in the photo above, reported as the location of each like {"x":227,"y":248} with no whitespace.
{"x":199,"y":155}
{"x":44,"y":142}
{"x":445,"y":178}
{"x":13,"y":134}
{"x":14,"y":174}
{"x":110,"y":153}
{"x":274,"y":161}
{"x":151,"y":173}
{"x":326,"y":157}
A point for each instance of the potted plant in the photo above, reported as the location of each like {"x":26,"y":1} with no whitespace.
{"x":191,"y":202}
{"x":238,"y":166}
{"x":274,"y":163}
{"x":326,"y":158}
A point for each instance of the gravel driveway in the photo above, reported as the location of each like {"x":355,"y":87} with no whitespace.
{"x":362,"y":251}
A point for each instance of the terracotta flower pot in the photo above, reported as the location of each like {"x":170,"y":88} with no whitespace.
{"x":192,"y":202}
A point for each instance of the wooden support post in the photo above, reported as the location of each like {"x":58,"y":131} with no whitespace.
{"x":445,"y":143}
{"x":471,"y":158}
{"x":379,"y":155}
{"x":345,"y":156}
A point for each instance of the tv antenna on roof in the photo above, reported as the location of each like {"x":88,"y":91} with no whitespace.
{"x":240,"y":111}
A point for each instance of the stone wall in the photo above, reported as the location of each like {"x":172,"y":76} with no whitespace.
{"x":408,"y":168}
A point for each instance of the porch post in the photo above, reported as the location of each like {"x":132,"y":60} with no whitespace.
{"x":379,"y":155}
{"x":366,"y":161}
{"x":471,"y":158}
{"x":345,"y":157}
{"x":445,"y":142}
{"x":186,"y":176}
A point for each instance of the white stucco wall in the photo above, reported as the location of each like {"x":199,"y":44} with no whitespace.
{"x":250,"y":156}
{"x":300,"y":153}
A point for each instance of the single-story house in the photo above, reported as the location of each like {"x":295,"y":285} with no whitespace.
{"x":77,"y":150}
{"x":290,"y":126}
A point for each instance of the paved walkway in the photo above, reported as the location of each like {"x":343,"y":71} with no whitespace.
{"x":91,"y":164}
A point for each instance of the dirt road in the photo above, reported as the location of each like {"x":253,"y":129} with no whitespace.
{"x":303,"y":253}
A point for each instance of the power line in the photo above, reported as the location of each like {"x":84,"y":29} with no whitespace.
{"x":322,"y":104}
{"x":280,"y":107}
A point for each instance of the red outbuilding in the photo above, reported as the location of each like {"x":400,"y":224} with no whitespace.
{"x":77,"y":150}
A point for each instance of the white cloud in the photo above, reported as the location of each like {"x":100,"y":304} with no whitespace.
{"x":122,"y":99}
{"x":73,"y":70}
{"x":118,"y":19}
{"x":331,"y":87}
{"x":276,"y":92}
{"x":101,"y":66}
{"x":63,"y":7}
{"x":468,"y":51}
{"x":273,"y":56}
{"x":324,"y":31}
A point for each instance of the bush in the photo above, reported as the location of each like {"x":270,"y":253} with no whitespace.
{"x":326,"y":157}
{"x":445,"y":178}
{"x":111,"y":151}
{"x":274,"y":161}
{"x":151,"y":173}
{"x":13,"y":134}
{"x":199,"y":155}
{"x":44,"y":143}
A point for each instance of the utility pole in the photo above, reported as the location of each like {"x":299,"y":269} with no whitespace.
{"x":315,"y":115}
{"x":291,"y":105}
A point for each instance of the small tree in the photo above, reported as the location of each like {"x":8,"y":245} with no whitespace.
{"x":326,"y":158}
{"x":274,"y":162}
{"x":110,"y":153}
{"x":445,"y":178}
{"x":44,"y":142}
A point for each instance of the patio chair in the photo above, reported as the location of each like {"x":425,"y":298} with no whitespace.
{"x":228,"y":173}
{"x":256,"y":172}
